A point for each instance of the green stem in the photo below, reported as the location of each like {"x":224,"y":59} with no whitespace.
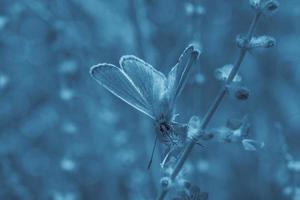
{"x":216,"y":103}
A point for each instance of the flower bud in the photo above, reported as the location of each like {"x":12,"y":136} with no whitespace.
{"x":255,"y":42}
{"x":269,"y":7}
{"x":165,"y":182}
{"x":242,"y":93}
{"x":262,"y":41}
{"x":237,"y":91}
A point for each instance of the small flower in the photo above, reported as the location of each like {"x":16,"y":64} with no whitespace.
{"x":4,"y":80}
{"x":3,"y":21}
{"x":203,"y":165}
{"x":64,"y":196}
{"x":252,"y":145}
{"x":120,"y":138}
{"x":66,"y":94}
{"x":287,"y":190}
{"x":255,"y":3}
{"x":70,"y":127}
{"x":194,"y":127}
{"x":223,"y":134}
{"x":235,"y":124}
{"x":126,"y":157}
{"x":199,"y":78}
{"x":68,"y":67}
{"x":222,"y":73}
{"x":241,"y":41}
{"x":67,"y":164}
{"x":294,"y":165}
{"x":234,"y":131}
{"x":192,"y":9}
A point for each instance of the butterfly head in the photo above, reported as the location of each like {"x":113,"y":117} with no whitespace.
{"x":164,"y":128}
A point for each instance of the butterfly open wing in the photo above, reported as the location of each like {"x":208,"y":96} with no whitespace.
{"x":121,"y":85}
{"x":150,"y":82}
{"x":177,"y":77}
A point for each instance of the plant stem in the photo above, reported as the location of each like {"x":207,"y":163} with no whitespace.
{"x":134,"y":14}
{"x":216,"y":103}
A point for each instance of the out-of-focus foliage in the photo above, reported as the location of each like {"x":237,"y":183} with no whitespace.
{"x":63,"y":137}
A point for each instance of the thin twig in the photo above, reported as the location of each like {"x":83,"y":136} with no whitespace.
{"x":134,"y":14}
{"x":216,"y":103}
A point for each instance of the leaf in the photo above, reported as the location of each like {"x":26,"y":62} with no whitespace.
{"x":252,"y":145}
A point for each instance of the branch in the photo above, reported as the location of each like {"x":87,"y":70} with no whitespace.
{"x":216,"y":103}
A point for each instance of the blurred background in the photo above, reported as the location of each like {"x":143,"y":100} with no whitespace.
{"x":63,"y":137}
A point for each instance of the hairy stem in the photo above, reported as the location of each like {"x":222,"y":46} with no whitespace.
{"x":216,"y":103}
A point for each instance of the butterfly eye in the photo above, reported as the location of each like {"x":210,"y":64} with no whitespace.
{"x":161,"y":128}
{"x":168,"y":127}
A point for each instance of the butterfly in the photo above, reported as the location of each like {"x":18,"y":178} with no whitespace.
{"x":148,"y":90}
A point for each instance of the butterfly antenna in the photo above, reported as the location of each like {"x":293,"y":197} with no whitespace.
{"x":151,"y":158}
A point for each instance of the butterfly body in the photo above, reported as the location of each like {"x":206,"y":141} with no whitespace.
{"x":164,"y":128}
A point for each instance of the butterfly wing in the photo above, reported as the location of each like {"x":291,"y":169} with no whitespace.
{"x":151,"y":83}
{"x":177,"y":77}
{"x":121,"y":85}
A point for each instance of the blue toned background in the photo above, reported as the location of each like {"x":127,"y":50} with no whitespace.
{"x":63,"y":137}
